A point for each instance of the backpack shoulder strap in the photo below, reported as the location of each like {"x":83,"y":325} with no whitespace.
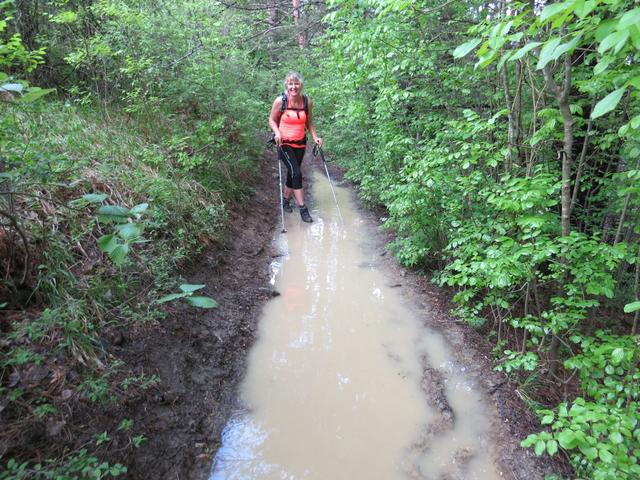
{"x":305,"y":101}
{"x":285,"y":101}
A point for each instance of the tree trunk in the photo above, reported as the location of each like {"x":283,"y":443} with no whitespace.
{"x":272,"y":22}
{"x":562,"y":97}
{"x":513,"y":115}
{"x":296,"y":20}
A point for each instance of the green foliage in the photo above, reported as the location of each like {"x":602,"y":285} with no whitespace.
{"x":450,"y":133}
{"x":186,"y":292}
{"x":601,"y":439}
{"x":141,"y":381}
{"x":608,"y":368}
{"x":96,"y":389}
{"x":159,"y":109}
{"x":127,"y":231}
{"x":517,"y":361}
{"x":79,"y":465}
{"x":21,"y":356}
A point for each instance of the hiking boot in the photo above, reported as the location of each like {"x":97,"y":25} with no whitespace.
{"x":286,"y":206}
{"x":304,"y":214}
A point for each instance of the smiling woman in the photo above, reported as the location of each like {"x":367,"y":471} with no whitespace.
{"x":291,"y":116}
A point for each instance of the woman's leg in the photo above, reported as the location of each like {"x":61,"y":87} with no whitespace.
{"x":292,"y":158}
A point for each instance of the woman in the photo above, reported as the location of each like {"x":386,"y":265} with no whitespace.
{"x":290,"y":118}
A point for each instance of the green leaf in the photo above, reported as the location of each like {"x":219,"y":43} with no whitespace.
{"x":616,"y":438}
{"x":614,"y":40}
{"x":582,"y":8}
{"x":119,"y":253}
{"x":94,"y":197}
{"x":547,"y":419}
{"x":140,"y":208}
{"x":503,"y":59}
{"x":546,"y":54}
{"x":189,"y":288}
{"x":65,"y":17}
{"x":605,"y":455}
{"x":527,"y":442}
{"x":632,"y":307}
{"x":605,"y":28}
{"x":553,"y":9}
{"x":633,"y":82}
{"x":35,"y":93}
{"x":631,"y":18}
{"x":487,"y":59}
{"x":464,"y":49}
{"x":202,"y":302}
{"x":12,"y":87}
{"x":567,"y":439}
{"x":568,"y":47}
{"x":634,"y":32}
{"x":617,"y":355}
{"x":589,"y":452}
{"x":113,"y":213}
{"x":172,"y":296}
{"x":107,"y":243}
{"x":608,"y":103}
{"x":603,"y":64}
{"x":129,"y":231}
{"x":541,"y":445}
{"x":524,"y":50}
{"x":552,"y":447}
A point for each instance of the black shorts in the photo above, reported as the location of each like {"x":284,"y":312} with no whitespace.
{"x":292,"y":158}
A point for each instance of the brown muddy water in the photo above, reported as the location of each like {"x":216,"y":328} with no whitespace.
{"x":345,"y":382}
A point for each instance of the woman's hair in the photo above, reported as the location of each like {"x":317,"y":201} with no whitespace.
{"x":295,"y":76}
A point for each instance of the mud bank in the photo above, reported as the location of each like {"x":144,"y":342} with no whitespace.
{"x":199,"y":355}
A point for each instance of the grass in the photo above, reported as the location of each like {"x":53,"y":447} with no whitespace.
{"x":56,"y":153}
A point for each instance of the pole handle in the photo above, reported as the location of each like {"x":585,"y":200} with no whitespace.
{"x":318,"y":149}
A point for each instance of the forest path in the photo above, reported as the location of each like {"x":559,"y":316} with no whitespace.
{"x":357,"y":374}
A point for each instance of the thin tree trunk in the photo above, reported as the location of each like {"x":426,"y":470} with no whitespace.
{"x":634,"y":328}
{"x":583,"y":154}
{"x":622,"y":216}
{"x":514,"y":112}
{"x":562,"y":97}
{"x":504,"y":74}
{"x":296,"y":20}
{"x":272,"y":21}
{"x":534,"y":115}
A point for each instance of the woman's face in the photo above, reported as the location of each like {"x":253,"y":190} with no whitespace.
{"x":294,"y":87}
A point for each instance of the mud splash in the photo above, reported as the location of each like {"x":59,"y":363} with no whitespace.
{"x":345,"y":382}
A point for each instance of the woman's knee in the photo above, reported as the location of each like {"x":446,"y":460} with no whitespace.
{"x":296,"y":180}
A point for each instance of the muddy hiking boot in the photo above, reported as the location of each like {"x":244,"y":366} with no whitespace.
{"x":304,"y":214}
{"x":286,"y":206}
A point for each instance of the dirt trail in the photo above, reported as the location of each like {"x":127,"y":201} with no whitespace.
{"x":201,"y":356}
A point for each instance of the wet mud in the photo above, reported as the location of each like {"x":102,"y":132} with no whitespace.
{"x":201,"y":357}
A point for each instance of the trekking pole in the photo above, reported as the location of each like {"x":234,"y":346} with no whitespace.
{"x":317,"y":149}
{"x":284,"y":230}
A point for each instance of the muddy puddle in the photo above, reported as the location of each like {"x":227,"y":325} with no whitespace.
{"x":345,"y":382}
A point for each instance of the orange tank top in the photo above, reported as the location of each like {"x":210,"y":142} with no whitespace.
{"x":293,"y":127}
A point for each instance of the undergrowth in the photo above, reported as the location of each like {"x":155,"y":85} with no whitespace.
{"x":73,"y":176}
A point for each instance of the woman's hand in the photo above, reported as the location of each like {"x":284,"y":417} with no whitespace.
{"x":277,"y":139}
{"x":318,"y":141}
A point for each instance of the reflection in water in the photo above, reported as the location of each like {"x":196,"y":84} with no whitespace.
{"x":334,"y":388}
